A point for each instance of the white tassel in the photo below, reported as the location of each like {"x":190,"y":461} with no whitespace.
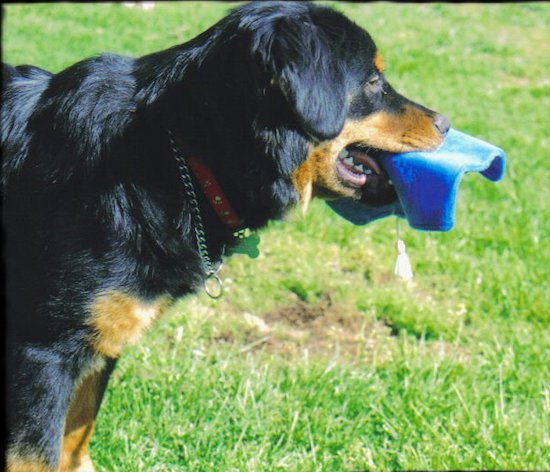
{"x":403,"y":267}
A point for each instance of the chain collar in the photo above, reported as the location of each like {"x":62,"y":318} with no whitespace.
{"x":213,"y":285}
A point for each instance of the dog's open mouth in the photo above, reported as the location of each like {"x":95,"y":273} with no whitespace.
{"x":357,"y":167}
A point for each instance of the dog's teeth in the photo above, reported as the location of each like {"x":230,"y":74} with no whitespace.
{"x":368,"y":171}
{"x":359,"y":167}
{"x":348,"y":161}
{"x":343,"y":154}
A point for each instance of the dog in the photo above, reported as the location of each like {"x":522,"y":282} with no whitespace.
{"x":125,"y":181}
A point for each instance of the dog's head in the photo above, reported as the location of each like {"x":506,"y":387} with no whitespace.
{"x":302,"y":107}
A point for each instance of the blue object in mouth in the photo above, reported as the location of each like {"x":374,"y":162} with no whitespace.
{"x":426,"y":182}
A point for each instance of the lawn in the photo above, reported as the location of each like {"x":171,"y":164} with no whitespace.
{"x":317,"y":358}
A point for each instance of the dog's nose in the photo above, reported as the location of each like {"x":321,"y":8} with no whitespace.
{"x":442,"y":124}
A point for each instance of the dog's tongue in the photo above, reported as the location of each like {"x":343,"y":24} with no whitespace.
{"x":427,"y":182}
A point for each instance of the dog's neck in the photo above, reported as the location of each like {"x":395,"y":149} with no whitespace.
{"x":193,"y":167}
{"x":171,"y":94}
{"x":197,"y":179}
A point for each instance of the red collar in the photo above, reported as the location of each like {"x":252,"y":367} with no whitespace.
{"x":213,"y":193}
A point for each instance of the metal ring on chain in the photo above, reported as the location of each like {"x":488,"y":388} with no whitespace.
{"x":213,"y":286}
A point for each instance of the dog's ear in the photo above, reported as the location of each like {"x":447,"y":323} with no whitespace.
{"x":305,"y":66}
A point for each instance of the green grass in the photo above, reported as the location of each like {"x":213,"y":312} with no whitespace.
{"x":353,"y":370}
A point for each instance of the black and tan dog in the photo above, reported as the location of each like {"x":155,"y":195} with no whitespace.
{"x":113,"y":170}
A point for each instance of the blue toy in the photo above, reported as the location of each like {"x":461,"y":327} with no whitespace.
{"x":427,"y":182}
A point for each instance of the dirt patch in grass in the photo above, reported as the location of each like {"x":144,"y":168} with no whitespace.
{"x":323,"y":329}
{"x":326,"y":330}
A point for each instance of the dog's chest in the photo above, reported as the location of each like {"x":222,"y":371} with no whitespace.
{"x":117,"y":319}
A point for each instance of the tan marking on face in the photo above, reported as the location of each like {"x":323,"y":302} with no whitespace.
{"x":317,"y":173}
{"x":303,"y":183}
{"x":379,"y":62}
{"x":79,"y":425}
{"x":118,"y":319}
{"x":18,"y":463}
{"x":409,"y":130}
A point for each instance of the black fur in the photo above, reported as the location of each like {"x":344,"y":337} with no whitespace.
{"x":93,"y":200}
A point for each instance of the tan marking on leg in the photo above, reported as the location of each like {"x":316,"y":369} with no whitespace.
{"x":79,"y":425}
{"x":379,"y":62}
{"x":118,"y":319}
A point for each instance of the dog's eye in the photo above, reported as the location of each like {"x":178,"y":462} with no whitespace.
{"x":374,"y":84}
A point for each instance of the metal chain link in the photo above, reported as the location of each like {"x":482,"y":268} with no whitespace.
{"x":211,"y":273}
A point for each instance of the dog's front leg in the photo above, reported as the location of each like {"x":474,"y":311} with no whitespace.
{"x":52,"y":403}
{"x":40,"y":384}
{"x":80,"y":420}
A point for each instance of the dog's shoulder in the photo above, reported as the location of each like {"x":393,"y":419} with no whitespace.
{"x":71,"y":117}
{"x":22,"y":87}
{"x":92,"y":99}
{"x":93,"y":83}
